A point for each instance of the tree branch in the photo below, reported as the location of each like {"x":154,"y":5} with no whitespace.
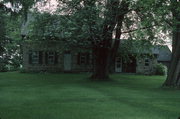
{"x":143,"y":28}
{"x":2,"y":6}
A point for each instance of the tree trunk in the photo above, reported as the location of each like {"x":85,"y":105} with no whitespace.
{"x":105,"y":50}
{"x":173,"y":78}
{"x":101,"y":65}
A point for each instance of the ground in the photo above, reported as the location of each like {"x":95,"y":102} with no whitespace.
{"x":72,"y":96}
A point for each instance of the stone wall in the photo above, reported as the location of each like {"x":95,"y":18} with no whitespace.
{"x":141,"y":63}
{"x":143,"y":68}
{"x":52,"y":46}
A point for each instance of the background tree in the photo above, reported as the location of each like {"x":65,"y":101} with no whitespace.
{"x":3,"y":31}
{"x":12,"y":15}
{"x":2,"y":38}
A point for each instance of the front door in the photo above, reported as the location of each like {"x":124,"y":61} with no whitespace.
{"x":67,"y":62}
{"x":130,"y":65}
{"x":118,"y":64}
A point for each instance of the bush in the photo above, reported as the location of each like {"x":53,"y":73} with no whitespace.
{"x":160,"y":69}
{"x":3,"y":68}
{"x":22,"y":70}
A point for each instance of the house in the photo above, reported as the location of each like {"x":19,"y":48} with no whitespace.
{"x":136,"y":63}
{"x":53,"y":56}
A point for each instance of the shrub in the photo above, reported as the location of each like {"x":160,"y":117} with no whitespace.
{"x":160,"y":69}
{"x":3,"y":67}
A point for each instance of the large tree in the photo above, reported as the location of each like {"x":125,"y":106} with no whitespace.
{"x":102,"y":23}
{"x":173,"y":78}
{"x":99,"y":25}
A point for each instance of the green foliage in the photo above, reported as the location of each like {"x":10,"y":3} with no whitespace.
{"x":149,"y":21}
{"x":88,"y":20}
{"x":19,"y":6}
{"x":82,"y":22}
{"x":135,"y":48}
{"x":10,"y":40}
{"x":160,"y":69}
{"x":3,"y":41}
{"x":3,"y":67}
{"x":47,"y":27}
{"x":2,"y":31}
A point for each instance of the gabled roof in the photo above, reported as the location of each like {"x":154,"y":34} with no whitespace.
{"x":139,"y":47}
{"x":134,"y":46}
{"x":164,"y":53}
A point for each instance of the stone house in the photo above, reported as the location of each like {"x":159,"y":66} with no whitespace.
{"x":51,"y":56}
{"x":143,"y":64}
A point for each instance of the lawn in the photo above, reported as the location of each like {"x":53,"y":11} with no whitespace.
{"x":72,"y":96}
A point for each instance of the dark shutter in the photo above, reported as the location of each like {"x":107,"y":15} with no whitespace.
{"x":46,"y":57}
{"x":40,"y":57}
{"x":78,"y":58}
{"x":87,"y":58}
{"x":30,"y":57}
{"x":92,"y":59}
{"x":56,"y":58}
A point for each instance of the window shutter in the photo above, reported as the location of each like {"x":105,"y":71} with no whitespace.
{"x":87,"y":58}
{"x":78,"y":58}
{"x":92,"y":60}
{"x":30,"y":57}
{"x":40,"y":57}
{"x":46,"y":57}
{"x":56,"y":58}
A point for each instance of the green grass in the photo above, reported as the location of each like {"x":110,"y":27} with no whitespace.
{"x":72,"y":96}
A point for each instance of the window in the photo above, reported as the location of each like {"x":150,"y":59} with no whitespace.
{"x":147,"y":62}
{"x":51,"y":57}
{"x":35,"y":57}
{"x":83,"y":58}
